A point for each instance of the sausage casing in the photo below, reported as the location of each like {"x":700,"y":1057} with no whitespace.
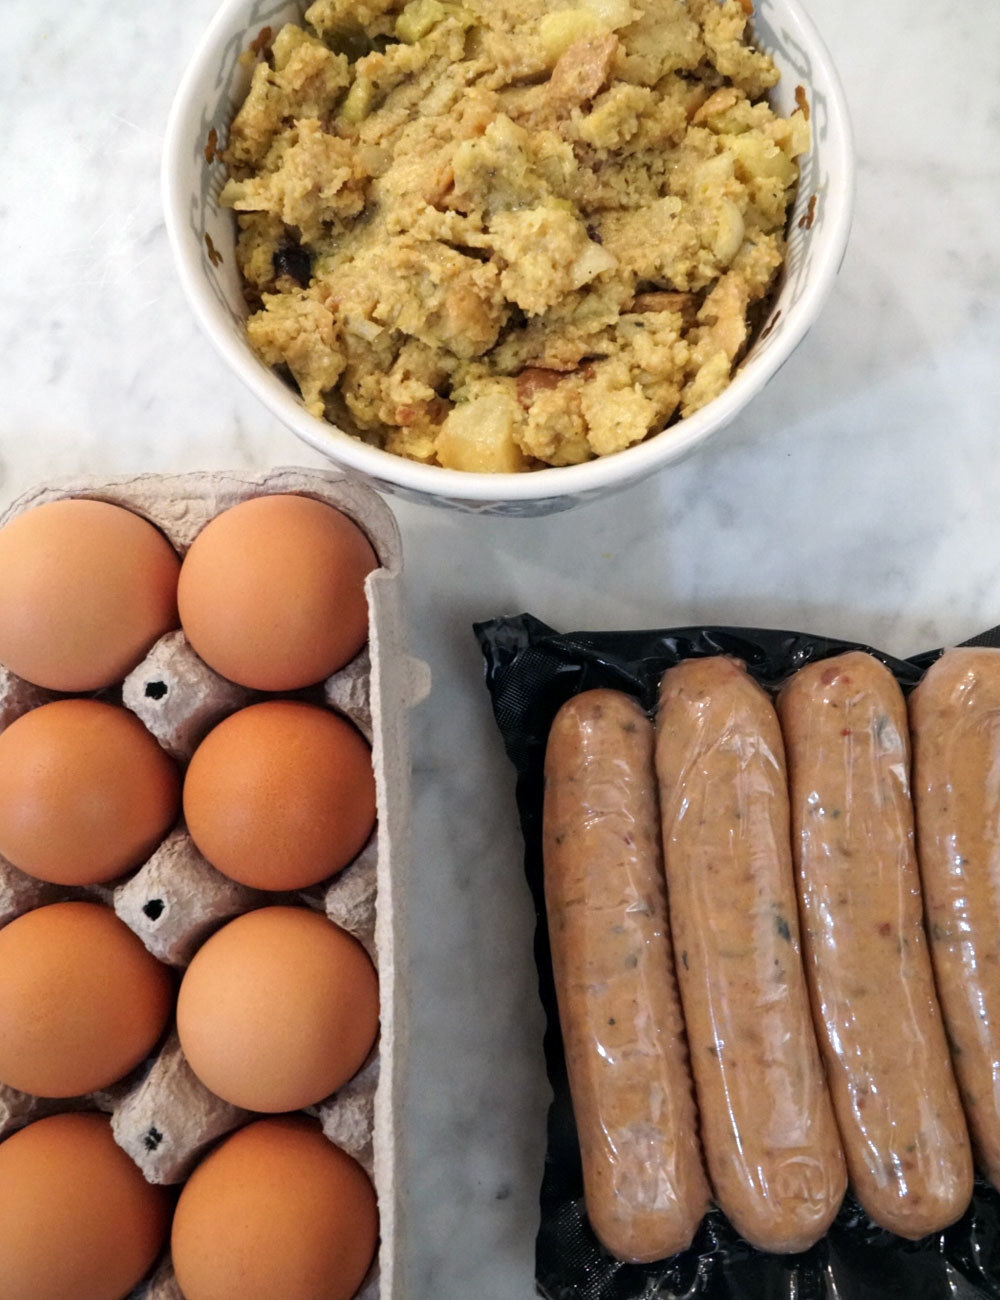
{"x":770,"y":1138}
{"x":626,"y":1055}
{"x":955,"y":723}
{"x":873,"y":995}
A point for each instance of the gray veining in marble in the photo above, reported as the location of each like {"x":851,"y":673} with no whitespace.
{"x":858,"y":496}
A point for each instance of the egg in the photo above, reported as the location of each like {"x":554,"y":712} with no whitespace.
{"x":81,"y":1000}
{"x":272,"y":592}
{"x":86,"y":588}
{"x":278,"y":1009}
{"x":281,"y":795}
{"x":79,"y":1221}
{"x":275,"y":1211}
{"x":86,"y":793}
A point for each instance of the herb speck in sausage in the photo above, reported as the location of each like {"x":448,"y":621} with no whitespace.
{"x":781,"y":925}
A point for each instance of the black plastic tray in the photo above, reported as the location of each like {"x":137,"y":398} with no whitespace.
{"x":530,"y":672}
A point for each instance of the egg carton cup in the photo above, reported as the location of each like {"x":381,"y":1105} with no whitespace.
{"x":162,"y":1115}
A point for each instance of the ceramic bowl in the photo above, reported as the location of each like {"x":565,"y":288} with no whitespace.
{"x":203,"y":238}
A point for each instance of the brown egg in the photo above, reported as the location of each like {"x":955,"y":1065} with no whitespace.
{"x":272,"y":593}
{"x":79,"y":1221}
{"x":281,"y":795}
{"x":81,"y":1000}
{"x":85,"y":589}
{"x":278,"y":1009}
{"x":276,"y":1211}
{"x":86,"y":793}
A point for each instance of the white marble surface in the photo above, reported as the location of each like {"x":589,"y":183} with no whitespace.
{"x":856,"y":497}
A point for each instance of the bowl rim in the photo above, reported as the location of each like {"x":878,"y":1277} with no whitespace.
{"x":584,"y":480}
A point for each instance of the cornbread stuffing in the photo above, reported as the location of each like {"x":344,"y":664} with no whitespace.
{"x":497,"y":234}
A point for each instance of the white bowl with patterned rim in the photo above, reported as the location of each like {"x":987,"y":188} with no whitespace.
{"x":203,"y":238}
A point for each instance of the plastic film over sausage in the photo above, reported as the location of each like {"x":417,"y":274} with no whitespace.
{"x":623,"y":1034}
{"x":845,"y":727}
{"x":955,"y":717}
{"x":771,"y":1143}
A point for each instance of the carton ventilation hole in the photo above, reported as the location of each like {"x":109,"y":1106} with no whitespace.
{"x":152,"y":1139}
{"x":153,"y":909}
{"x":156,"y":690}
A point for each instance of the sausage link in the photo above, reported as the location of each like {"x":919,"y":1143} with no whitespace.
{"x":626,"y":1056}
{"x":869,"y":972}
{"x":771,"y":1142}
{"x":955,"y":718}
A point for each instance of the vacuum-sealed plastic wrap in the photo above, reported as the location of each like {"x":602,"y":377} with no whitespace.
{"x":955,"y":727}
{"x":626,"y":1053}
{"x":877,"y":1012}
{"x":770,"y":1139}
{"x":531,"y":672}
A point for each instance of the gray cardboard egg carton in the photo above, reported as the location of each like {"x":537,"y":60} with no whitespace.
{"x":162,"y":1115}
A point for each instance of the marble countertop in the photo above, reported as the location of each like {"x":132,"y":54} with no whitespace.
{"x":856,"y":497}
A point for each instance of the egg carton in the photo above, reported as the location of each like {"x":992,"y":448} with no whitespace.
{"x":162,"y":1115}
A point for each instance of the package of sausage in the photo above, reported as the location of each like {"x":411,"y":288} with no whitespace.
{"x":761,"y":947}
